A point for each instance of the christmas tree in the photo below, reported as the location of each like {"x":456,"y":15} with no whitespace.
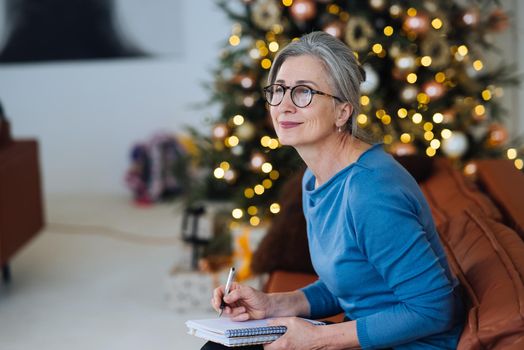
{"x":428,"y":89}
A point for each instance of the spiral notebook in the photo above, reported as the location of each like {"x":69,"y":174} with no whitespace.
{"x":231,"y":333}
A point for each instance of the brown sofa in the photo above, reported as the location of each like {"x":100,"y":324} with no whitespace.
{"x":21,"y":208}
{"x":481,"y":227}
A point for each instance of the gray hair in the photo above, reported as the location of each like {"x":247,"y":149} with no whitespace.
{"x":341,"y":66}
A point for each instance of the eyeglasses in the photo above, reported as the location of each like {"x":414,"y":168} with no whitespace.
{"x":301,"y":95}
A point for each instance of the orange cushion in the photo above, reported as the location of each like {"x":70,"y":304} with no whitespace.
{"x":488,"y":258}
{"x":449,"y":193}
{"x":505,"y":185}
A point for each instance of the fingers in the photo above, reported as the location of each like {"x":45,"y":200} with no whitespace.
{"x":216,"y":300}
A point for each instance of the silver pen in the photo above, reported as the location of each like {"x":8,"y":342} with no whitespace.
{"x":230,"y":278}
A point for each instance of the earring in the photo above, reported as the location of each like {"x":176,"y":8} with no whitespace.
{"x":339,"y":129}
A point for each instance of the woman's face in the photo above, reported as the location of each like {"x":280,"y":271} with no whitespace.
{"x":309,"y":125}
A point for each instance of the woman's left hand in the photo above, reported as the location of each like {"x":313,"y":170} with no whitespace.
{"x":300,"y":334}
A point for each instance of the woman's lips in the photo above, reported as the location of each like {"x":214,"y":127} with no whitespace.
{"x":289,"y":125}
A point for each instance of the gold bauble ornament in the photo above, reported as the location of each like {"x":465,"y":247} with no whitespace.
{"x":498,"y":20}
{"x":471,"y":17}
{"x":303,"y":10}
{"x":497,"y":135}
{"x":418,"y":24}
{"x":437,"y":48}
{"x":377,"y":5}
{"x":470,"y":170}
{"x":335,"y":28}
{"x":265,"y":13}
{"x":257,"y":159}
{"x":456,"y":145}
{"x":408,"y":93}
{"x":405,"y":63}
{"x":358,"y":33}
{"x":220,"y":131}
{"x":433,"y":89}
{"x":449,"y":116}
{"x":246,"y":131}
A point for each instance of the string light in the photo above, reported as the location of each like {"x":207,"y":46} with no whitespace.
{"x":519,"y":164}
{"x":388,"y":31}
{"x":234,"y":40}
{"x":478,"y":65}
{"x":362,"y":119}
{"x":446,"y":133}
{"x":428,"y":135}
{"x":364,"y":100}
{"x":480,"y":110}
{"x":436,"y":23}
{"x":259,"y":189}
{"x":512,"y":153}
{"x":252,"y":210}
{"x":402,"y":113}
{"x":462,"y":50}
{"x":287,"y":3}
{"x":431,"y":151}
{"x":265,"y":63}
{"x":238,"y":120}
{"x":435,"y":143}
{"x":425,"y":61}
{"x":231,"y":141}
{"x":267,"y":183}
{"x":440,"y":77}
{"x":417,"y":118}
{"x":273,"y":144}
{"x":265,"y":140}
{"x":486,"y":95}
{"x":388,"y":139}
{"x":254,"y":221}
{"x":249,"y":193}
{"x":224,"y":166}
{"x":438,"y":118}
{"x":274,"y":208}
{"x":273,"y":46}
{"x":405,"y":138}
{"x":274,"y":175}
{"x":237,"y":213}
{"x":267,"y":167}
{"x":219,"y":173}
{"x":411,"y":78}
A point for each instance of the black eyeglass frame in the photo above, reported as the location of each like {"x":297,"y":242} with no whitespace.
{"x":313,"y":92}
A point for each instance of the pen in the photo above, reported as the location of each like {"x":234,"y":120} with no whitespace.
{"x":226,"y":291}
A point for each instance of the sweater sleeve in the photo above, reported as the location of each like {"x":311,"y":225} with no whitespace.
{"x":390,"y":234}
{"x":322,"y":303}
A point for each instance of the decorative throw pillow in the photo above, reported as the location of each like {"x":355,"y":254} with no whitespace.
{"x":488,"y":259}
{"x":285,"y":245}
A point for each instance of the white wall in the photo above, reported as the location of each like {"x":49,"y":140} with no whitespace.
{"x":86,"y":115}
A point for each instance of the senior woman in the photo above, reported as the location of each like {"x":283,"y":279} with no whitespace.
{"x":371,"y":236}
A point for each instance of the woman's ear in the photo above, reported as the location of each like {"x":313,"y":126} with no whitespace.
{"x":344,"y":114}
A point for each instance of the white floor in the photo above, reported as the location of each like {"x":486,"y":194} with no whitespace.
{"x":95,"y":278}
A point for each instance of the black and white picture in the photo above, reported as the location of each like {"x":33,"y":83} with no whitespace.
{"x":49,"y":30}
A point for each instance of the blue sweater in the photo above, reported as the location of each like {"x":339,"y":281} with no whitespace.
{"x":376,"y":251}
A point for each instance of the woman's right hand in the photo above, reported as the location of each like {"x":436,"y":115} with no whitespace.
{"x":242,"y":303}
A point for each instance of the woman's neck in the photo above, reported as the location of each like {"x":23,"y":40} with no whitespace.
{"x":334,"y":154}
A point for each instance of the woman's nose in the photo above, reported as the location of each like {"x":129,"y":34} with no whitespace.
{"x":287,"y":102}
